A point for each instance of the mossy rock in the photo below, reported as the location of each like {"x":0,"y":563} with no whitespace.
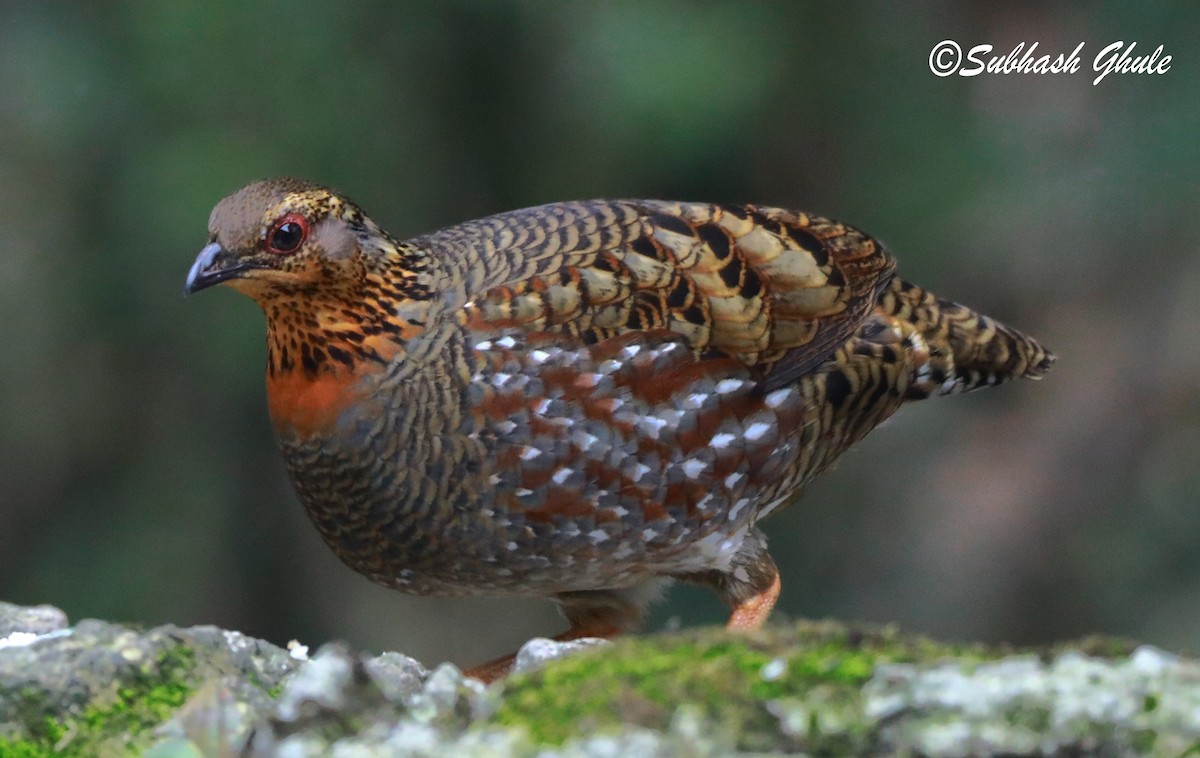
{"x":739,"y":684}
{"x":830,"y":689}
{"x":99,"y":689}
{"x":822,"y":688}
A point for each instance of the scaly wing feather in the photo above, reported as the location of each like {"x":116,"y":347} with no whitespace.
{"x":775,"y":289}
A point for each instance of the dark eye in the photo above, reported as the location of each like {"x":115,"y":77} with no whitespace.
{"x":287,"y":234}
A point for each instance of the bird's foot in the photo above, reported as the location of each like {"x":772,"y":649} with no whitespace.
{"x":753,"y":611}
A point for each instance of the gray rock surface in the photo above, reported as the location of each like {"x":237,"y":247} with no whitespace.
{"x":102,"y":685}
{"x":1150,"y":699}
{"x":38,"y":619}
{"x":102,"y":689}
{"x":539,"y":651}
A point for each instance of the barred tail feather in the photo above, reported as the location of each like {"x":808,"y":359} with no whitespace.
{"x":987,"y":352}
{"x":967,"y":350}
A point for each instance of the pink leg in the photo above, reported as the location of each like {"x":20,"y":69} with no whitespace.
{"x":753,"y":611}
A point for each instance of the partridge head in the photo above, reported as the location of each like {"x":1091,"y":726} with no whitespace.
{"x":580,"y":401}
{"x":285,"y":237}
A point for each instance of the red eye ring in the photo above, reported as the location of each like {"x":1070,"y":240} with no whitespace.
{"x":287,"y":234}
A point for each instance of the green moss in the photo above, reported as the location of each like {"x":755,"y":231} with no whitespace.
{"x":1142,"y":740}
{"x":43,"y":732}
{"x":144,"y":700}
{"x":1111,"y":648}
{"x":1036,"y":720}
{"x":729,"y":678}
{"x":148,"y":700}
{"x":23,"y":749}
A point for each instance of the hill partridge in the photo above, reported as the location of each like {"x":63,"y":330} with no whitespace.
{"x":580,"y":401}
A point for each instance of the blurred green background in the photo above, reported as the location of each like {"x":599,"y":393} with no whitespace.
{"x":139,"y":479}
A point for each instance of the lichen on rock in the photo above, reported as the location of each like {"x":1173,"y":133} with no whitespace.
{"x":100,"y":689}
{"x":817,"y":688}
